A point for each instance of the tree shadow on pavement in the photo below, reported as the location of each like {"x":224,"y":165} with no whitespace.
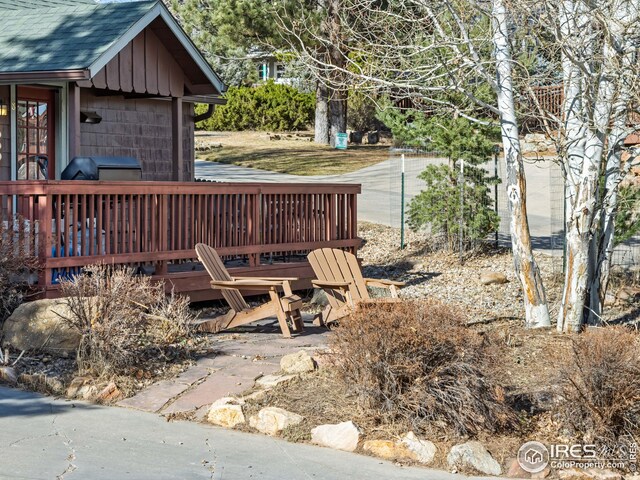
{"x":19,"y":403}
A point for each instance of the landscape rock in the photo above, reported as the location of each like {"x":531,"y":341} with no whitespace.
{"x":543,"y":474}
{"x":473,"y":454}
{"x":341,"y":436}
{"x":87,"y":392}
{"x":8,"y":374}
{"x":424,"y":450}
{"x":299,"y":362}
{"x":514,"y":470}
{"x":493,"y":278}
{"x":75,"y":385}
{"x":271,"y":420}
{"x":270,"y":381}
{"x":38,"y":325}
{"x":109,"y":393}
{"x":389,"y":450}
{"x":226,"y":415}
{"x":319,"y":298}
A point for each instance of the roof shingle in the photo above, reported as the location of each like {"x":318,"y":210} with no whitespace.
{"x":51,"y":35}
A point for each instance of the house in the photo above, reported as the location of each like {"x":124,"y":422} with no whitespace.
{"x":86,"y":79}
{"x":270,"y":66}
{"x":98,"y":79}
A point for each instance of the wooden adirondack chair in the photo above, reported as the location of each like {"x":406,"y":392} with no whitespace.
{"x":285,"y":307}
{"x":339,"y":275}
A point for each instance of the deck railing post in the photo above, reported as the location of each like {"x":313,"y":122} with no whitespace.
{"x":163,"y":226}
{"x":254,"y":226}
{"x":44,"y":224}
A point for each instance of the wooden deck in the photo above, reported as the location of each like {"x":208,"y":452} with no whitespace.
{"x":259,"y":229}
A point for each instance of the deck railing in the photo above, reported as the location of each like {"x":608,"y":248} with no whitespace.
{"x":158,"y":224}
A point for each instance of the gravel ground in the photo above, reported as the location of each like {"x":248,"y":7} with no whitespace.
{"x":441,"y":275}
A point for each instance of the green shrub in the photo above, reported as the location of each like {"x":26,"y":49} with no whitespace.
{"x":361,"y":112}
{"x":269,"y":106}
{"x":438,"y":205}
{"x":627,"y":220}
{"x":408,"y":128}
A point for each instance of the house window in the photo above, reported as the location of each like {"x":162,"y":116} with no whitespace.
{"x":280,"y":70}
{"x":263,"y":71}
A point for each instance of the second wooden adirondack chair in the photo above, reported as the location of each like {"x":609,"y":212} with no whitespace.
{"x":339,"y":275}
{"x":285,"y":307}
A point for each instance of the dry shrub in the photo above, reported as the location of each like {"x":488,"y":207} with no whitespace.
{"x":125,"y":320}
{"x":416,"y":362}
{"x":17,"y":263}
{"x":601,"y":385}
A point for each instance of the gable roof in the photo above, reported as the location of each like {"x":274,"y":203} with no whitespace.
{"x":74,"y":39}
{"x":22,"y":4}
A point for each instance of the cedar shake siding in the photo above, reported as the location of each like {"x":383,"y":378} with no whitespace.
{"x":138,"y":128}
{"x":5,"y":136}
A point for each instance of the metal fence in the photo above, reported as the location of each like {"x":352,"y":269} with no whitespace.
{"x":545,"y":202}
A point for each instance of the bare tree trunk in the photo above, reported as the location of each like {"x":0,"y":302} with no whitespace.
{"x":338,"y":97}
{"x":586,"y":134}
{"x":603,"y":242}
{"x":338,"y":115}
{"x":535,"y":301}
{"x":322,"y":114}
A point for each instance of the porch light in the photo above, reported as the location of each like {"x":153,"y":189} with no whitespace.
{"x":4,"y":109}
{"x":90,"y":117}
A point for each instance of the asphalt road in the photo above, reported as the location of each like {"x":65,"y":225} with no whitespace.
{"x":43,"y":438}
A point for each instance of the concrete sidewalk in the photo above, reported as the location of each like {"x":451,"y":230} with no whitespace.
{"x":43,"y":438}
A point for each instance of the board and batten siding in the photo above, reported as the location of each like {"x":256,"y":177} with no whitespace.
{"x":144,"y":65}
{"x":138,"y":128}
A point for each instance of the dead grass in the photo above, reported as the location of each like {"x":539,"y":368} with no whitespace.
{"x":288,"y":155}
{"x":601,"y":385}
{"x":124,"y":320}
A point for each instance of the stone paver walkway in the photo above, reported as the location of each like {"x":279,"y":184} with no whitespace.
{"x":240,"y":358}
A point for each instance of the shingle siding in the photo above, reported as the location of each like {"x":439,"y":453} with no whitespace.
{"x":139,"y":128}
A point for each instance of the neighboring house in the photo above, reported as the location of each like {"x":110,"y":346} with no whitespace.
{"x":269,"y":67}
{"x":98,"y":79}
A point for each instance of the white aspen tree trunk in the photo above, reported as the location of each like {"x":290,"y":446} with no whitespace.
{"x":535,"y":301}
{"x":570,"y":315}
{"x":603,"y":242}
{"x":584,"y":167}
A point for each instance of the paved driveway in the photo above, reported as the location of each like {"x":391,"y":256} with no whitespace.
{"x":43,"y":438}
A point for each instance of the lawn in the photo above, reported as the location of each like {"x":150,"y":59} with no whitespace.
{"x":291,"y":153}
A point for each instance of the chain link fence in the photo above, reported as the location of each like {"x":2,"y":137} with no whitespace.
{"x":545,"y":203}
